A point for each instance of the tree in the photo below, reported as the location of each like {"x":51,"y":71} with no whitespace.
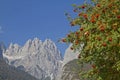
{"x":99,"y":36}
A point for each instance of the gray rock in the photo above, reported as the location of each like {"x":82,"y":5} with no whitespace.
{"x":2,"y":48}
{"x":40,"y":59}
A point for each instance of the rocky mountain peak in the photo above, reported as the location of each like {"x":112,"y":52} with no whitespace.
{"x":49,"y":44}
{"x":40,"y":59}
{"x":36,"y":41}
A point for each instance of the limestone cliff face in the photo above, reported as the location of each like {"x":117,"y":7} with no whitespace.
{"x":40,"y":59}
{"x":71,"y":67}
{"x":69,"y":55}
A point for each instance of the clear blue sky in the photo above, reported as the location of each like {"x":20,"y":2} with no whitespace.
{"x":21,"y":20}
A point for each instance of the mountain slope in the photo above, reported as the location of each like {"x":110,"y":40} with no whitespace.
{"x":71,"y":70}
{"x":71,"y":67}
{"x":40,"y":59}
{"x":2,"y":48}
{"x":11,"y":73}
{"x":69,"y":55}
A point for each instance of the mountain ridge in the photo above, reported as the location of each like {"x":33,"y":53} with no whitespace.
{"x":40,"y":59}
{"x":8,"y":72}
{"x":11,"y":73}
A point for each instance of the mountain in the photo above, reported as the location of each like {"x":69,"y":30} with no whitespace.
{"x":69,"y":55}
{"x":11,"y":73}
{"x":2,"y":48}
{"x":40,"y":59}
{"x":71,"y":67}
{"x":71,"y":70}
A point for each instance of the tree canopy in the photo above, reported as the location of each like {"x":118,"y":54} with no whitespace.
{"x":99,"y":37}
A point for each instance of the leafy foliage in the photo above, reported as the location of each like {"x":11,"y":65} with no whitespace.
{"x":99,"y":37}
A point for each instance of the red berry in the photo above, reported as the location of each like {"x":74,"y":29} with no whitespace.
{"x":92,"y":20}
{"x":81,"y":29}
{"x":98,"y":5}
{"x":97,"y":15}
{"x":102,"y":28}
{"x":104,"y":44}
{"x":110,"y":39}
{"x":83,"y":7}
{"x":76,"y":42}
{"x":110,"y":5}
{"x":103,"y":10}
{"x":93,"y":66}
{"x":118,"y":16}
{"x":85,"y":16}
{"x":63,"y":40}
{"x":76,"y":33}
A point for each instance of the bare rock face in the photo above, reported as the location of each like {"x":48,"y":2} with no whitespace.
{"x":70,"y":71}
{"x":69,"y":55}
{"x":2,"y":49}
{"x":43,"y":60}
{"x":40,"y":59}
{"x":71,"y":67}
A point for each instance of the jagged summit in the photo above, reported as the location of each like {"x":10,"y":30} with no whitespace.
{"x":40,"y":59}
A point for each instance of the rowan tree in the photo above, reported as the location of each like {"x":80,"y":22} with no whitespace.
{"x":99,"y":37}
